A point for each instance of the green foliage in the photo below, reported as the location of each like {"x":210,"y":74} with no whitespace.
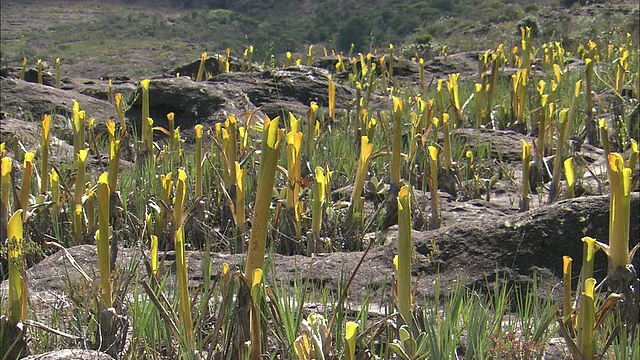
{"x":529,"y":22}
{"x":356,"y":30}
{"x":423,"y":38}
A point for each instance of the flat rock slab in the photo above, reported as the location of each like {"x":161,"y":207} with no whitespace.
{"x":514,"y":247}
{"x":22,"y":99}
{"x":71,"y":354}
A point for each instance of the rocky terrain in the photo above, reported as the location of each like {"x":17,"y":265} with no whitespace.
{"x":482,"y":241}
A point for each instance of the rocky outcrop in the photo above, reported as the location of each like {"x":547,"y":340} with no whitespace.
{"x":512,"y":246}
{"x":71,"y":354}
{"x":274,"y":92}
{"x":26,"y":100}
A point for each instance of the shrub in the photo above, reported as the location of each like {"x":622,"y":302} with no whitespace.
{"x":423,"y":39}
{"x":355,"y":31}
{"x":530,"y":22}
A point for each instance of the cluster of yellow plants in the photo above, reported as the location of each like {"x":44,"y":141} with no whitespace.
{"x":430,"y":124}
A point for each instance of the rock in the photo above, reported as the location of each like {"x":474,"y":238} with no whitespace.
{"x":516,"y":246}
{"x":274,"y":92}
{"x":27,"y":100}
{"x":191,"y":102}
{"x":99,"y":89}
{"x":212,"y":67}
{"x":503,"y":144}
{"x":280,"y":91}
{"x":71,"y":354}
{"x":465,"y":63}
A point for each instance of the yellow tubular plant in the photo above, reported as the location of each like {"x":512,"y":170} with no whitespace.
{"x":57,"y":73}
{"x":332,"y":99}
{"x":448,"y":162}
{"x":404,"y":254}
{"x":240,"y":195}
{"x":524,"y":187}
{"x":396,"y":155}
{"x":592,"y":132}
{"x":39,"y":67}
{"x":391,"y":62}
{"x":433,"y":182}
{"x":604,"y":139}
{"x":227,"y":60}
{"x":452,"y":86}
{"x":77,"y":222}
{"x":316,"y":212}
{"x":479,"y":110}
{"x":78,"y":128}
{"x":622,"y":69}
{"x":310,"y":55}
{"x":172,"y":132}
{"x":271,"y":136}
{"x":16,"y":267}
{"x":294,"y":145}
{"x":569,"y":175}
{"x":620,"y":212}
{"x":184,"y":303}
{"x":558,"y":161}
{"x":383,"y":73}
{"x":89,"y":200}
{"x":25,"y":185}
{"x":167,"y":185}
{"x":203,"y":59}
{"x":421,"y":78}
{"x":5,"y":190}
{"x":147,"y":142}
{"x":114,"y":155}
{"x":364,"y":160}
{"x":635,"y":154}
{"x":54,"y":180}
{"x":102,"y":240}
{"x":586,"y":338}
{"x":588,"y":253}
{"x":178,"y":199}
{"x":351,"y":329}
{"x":311,"y":121}
{"x":289,"y":59}
{"x":255,"y":352}
{"x":198,"y":161}
{"x":567,"y":308}
{"x":81,"y":166}
{"x":44,"y":177}
{"x":231,"y":150}
{"x":542,"y":119}
{"x":120,"y":111}
{"x":154,"y":255}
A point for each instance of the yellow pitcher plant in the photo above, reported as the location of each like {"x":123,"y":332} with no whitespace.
{"x":404,"y":254}
{"x":433,"y":185}
{"x":271,"y":142}
{"x":203,"y":59}
{"x":294,"y":147}
{"x":25,"y":185}
{"x":366,"y":148}
{"x":44,"y":161}
{"x":17,"y":311}
{"x":102,"y":240}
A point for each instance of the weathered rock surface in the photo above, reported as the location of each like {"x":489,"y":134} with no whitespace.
{"x":274,"y":92}
{"x":24,"y":99}
{"x":71,"y":354}
{"x":511,"y":247}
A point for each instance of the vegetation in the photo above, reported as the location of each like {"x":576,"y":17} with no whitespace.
{"x":245,"y":313}
{"x":178,"y":31}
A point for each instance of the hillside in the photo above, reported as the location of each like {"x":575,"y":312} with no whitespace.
{"x":140,"y":38}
